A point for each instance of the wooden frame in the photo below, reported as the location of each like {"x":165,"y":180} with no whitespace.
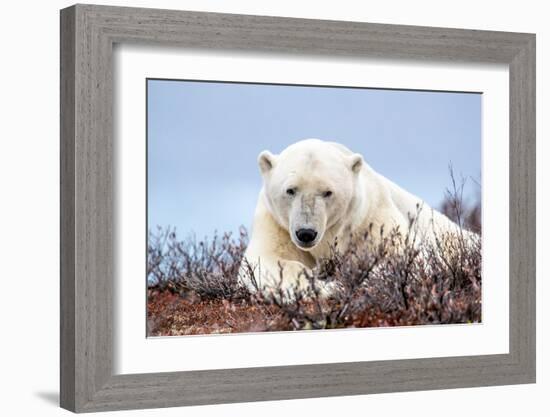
{"x":87,"y":35}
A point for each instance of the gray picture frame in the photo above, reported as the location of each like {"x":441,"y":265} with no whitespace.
{"x":88,"y":33}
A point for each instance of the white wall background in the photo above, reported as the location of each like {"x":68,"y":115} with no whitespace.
{"x":29,"y":205}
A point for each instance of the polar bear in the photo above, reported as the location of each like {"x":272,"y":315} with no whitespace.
{"x":314,"y":193}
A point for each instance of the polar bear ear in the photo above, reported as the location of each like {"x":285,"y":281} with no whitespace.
{"x":356,"y":162}
{"x":266,"y":161}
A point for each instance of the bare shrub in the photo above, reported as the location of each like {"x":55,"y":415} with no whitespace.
{"x":386,"y":278}
{"x":455,"y":207}
{"x":392,"y":285}
{"x":208,"y":268}
{"x":382,"y":284}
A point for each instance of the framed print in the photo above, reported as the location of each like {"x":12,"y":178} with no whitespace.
{"x":186,"y":181}
{"x":340,"y":208}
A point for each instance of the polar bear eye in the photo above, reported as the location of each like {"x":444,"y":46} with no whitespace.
{"x":327,"y":194}
{"x":291,"y":191}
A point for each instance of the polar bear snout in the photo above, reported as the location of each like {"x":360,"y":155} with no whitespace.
{"x":307,"y":219}
{"x":306,"y":236}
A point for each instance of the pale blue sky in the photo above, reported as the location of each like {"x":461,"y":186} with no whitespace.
{"x":204,"y":138}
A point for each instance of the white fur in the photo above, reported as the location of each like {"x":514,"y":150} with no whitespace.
{"x":360,"y":197}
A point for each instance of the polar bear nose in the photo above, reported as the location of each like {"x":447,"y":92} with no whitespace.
{"x":306,"y":235}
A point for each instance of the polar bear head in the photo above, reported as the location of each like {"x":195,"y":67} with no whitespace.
{"x":309,"y":187}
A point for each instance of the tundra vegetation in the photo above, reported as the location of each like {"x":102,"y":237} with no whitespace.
{"x":386,"y":278}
